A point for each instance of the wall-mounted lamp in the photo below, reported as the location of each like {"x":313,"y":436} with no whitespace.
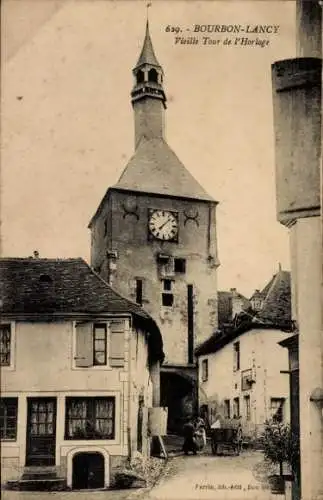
{"x":317,"y":398}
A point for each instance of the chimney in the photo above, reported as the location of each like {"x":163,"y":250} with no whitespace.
{"x":279,"y":267}
{"x":36,"y":254}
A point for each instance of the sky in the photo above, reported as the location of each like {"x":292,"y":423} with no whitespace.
{"x":67,"y":122}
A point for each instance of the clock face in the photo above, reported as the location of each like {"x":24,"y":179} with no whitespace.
{"x":163,"y":225}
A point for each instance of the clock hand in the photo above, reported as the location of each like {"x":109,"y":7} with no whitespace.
{"x":164,"y":224}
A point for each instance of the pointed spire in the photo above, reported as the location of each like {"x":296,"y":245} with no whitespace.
{"x":147,"y":55}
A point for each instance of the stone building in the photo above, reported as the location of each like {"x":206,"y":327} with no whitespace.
{"x":237,"y":377}
{"x":297,"y":101}
{"x":78,"y":368}
{"x":154,"y":239}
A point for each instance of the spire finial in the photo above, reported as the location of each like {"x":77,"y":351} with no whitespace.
{"x":147,"y":55}
{"x":148,"y":4}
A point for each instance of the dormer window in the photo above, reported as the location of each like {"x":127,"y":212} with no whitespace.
{"x":153,"y":75}
{"x":46,"y":279}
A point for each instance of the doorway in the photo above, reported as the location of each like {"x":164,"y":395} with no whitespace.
{"x":88,"y":471}
{"x":41,"y":431}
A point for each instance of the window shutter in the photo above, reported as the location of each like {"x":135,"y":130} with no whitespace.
{"x":84,"y":345}
{"x":117,"y":343}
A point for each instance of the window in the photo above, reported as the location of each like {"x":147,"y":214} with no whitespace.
{"x":205,"y":370}
{"x":167,"y":299}
{"x":246,"y":380}
{"x":167,"y":294}
{"x":100,"y":344}
{"x":8,"y":418}
{"x":236,"y":356}
{"x":227,"y":412}
{"x":167,"y":285}
{"x":153,"y":75}
{"x":90,"y":418}
{"x":5,"y":345}
{"x":139,"y":292}
{"x":236,"y":408}
{"x":140,"y":76}
{"x":247,"y":407}
{"x":45,"y":278}
{"x":180,"y":266}
{"x":277,"y":409}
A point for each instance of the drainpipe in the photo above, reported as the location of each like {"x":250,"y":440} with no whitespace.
{"x":129,"y":392}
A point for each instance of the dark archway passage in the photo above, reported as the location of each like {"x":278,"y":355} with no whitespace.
{"x":88,"y":471}
{"x":178,"y":394}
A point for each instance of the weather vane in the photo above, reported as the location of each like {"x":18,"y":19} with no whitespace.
{"x":148,"y":4}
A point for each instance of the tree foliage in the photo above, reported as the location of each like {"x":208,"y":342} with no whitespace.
{"x":280,"y":444}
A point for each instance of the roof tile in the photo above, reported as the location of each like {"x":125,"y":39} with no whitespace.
{"x":155,"y":168}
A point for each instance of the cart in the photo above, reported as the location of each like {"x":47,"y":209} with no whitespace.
{"x":226,"y":438}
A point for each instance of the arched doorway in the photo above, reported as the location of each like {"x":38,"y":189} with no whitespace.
{"x":179,"y":395}
{"x":88,"y":471}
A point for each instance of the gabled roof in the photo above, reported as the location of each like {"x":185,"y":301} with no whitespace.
{"x":275,"y":314}
{"x":147,"y":55}
{"x":276,"y":308}
{"x":154,"y":168}
{"x":58,"y":287}
{"x":225,"y":306}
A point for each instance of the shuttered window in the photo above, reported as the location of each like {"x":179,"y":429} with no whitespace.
{"x":100,"y":344}
{"x":117,"y":343}
{"x":84,"y":344}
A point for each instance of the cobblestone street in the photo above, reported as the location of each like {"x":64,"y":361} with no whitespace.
{"x":186,"y":477}
{"x":66,"y":495}
{"x":212,"y":477}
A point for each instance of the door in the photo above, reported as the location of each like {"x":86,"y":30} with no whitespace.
{"x":88,"y":471}
{"x":41,"y":431}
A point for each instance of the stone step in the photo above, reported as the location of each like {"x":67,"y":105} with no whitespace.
{"x":55,"y":484}
{"x":38,"y":476}
{"x":37,"y":473}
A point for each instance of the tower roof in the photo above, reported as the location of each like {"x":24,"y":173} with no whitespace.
{"x":147,"y":55}
{"x":155,"y":168}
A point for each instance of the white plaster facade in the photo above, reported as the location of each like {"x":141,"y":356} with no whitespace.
{"x":43,"y":365}
{"x":224,"y":382}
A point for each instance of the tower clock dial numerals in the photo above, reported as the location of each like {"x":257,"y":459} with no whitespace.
{"x":163,"y":225}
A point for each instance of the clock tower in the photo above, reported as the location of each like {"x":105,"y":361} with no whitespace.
{"x":154,"y":240}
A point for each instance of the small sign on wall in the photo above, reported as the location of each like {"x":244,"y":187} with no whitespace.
{"x":157,"y":421}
